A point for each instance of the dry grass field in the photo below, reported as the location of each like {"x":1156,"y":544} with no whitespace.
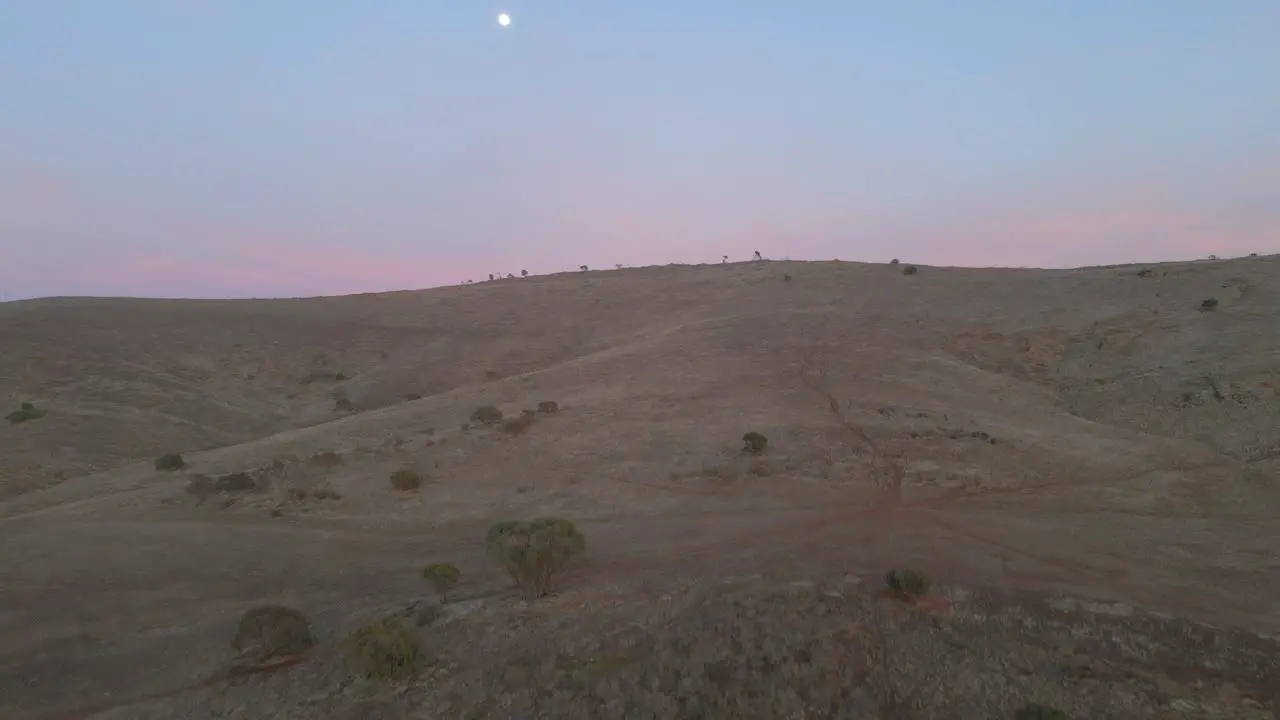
{"x":1090,"y":475}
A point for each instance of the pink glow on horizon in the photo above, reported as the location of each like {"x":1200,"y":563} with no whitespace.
{"x":619,"y":222}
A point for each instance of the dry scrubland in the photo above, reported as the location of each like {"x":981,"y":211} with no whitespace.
{"x":1091,"y":479}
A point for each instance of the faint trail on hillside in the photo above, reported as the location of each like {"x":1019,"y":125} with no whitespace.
{"x":891,"y":512}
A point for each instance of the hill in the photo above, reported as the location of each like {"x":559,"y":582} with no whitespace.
{"x":1098,"y":433}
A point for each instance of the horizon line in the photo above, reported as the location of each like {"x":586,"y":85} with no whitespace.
{"x":5,"y":299}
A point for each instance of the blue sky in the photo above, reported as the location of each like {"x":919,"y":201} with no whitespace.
{"x":222,"y":148}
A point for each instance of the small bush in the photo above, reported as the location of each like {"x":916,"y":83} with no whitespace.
{"x":487,"y":415}
{"x":326,"y":459}
{"x":893,"y":261}
{"x":1039,"y":712}
{"x":1146,"y":272}
{"x":170,"y":461}
{"x":786,"y":278}
{"x":443,"y":578}
{"x":406,"y":479}
{"x":754,"y":443}
{"x":906,"y":584}
{"x":26,"y":411}
{"x":318,"y":375}
{"x":1208,"y":304}
{"x":385,"y":650}
{"x":235,"y":482}
{"x":548,"y":407}
{"x":910,"y":270}
{"x":533,"y":552}
{"x":272,"y":631}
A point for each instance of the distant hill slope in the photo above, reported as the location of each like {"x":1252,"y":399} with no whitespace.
{"x":125,"y":380}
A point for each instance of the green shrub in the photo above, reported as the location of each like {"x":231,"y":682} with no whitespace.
{"x":170,"y":461}
{"x":533,"y":552}
{"x":1209,"y":304}
{"x":1039,"y":712}
{"x":25,"y":412}
{"x":906,"y":584}
{"x":487,"y":415}
{"x":272,"y":631}
{"x":548,"y":406}
{"x":443,"y":578}
{"x":910,"y":270}
{"x":406,"y":479}
{"x":385,"y":650}
{"x":754,"y":443}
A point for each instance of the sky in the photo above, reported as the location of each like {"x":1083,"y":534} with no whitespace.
{"x":267,"y":148}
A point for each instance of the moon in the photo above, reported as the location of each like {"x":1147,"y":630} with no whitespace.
{"x":504,"y":19}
